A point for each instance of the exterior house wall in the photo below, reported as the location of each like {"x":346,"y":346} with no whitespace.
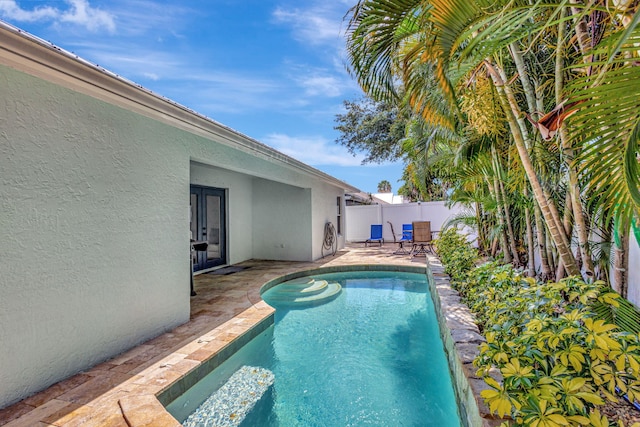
{"x":94,"y":223}
{"x":93,"y":232}
{"x":325,"y":209}
{"x":281,"y":221}
{"x":359,"y":220}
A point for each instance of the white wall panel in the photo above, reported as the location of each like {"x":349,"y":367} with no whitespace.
{"x":93,"y":232}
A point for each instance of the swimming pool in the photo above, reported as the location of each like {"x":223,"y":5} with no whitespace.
{"x":367,"y":354}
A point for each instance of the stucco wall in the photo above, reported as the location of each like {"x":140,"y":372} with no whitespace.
{"x":325,"y":208}
{"x":271,"y":220}
{"x":93,"y":210}
{"x":281,"y":221}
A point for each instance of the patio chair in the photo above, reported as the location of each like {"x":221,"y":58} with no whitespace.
{"x":422,"y":238}
{"x":376,"y":235}
{"x":393,"y":232}
{"x":407,"y":236}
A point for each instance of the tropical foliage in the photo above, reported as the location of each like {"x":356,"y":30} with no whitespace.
{"x":548,"y":359}
{"x":526,"y":111}
{"x":384,"y":186}
{"x":371,"y":127}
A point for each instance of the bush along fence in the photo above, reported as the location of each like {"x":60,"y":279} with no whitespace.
{"x":559,"y":357}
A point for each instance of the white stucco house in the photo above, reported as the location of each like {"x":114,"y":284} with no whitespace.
{"x":102,"y":185}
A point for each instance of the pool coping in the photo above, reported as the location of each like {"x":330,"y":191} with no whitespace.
{"x":461,"y":339}
{"x":458,"y":331}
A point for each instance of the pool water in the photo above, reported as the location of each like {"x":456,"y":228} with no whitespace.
{"x":369,"y":355}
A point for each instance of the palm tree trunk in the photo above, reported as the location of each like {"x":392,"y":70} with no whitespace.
{"x":511,"y":238}
{"x":482,"y":239}
{"x":604,"y":262}
{"x":621,"y":263}
{"x":504,"y":245}
{"x":581,"y":28}
{"x":531,"y":261}
{"x":523,"y":74}
{"x":545,"y":273}
{"x":551,"y":256}
{"x":529,"y":92}
{"x":568,"y":151}
{"x":510,"y":233}
{"x":567,"y":222}
{"x":512,"y":111}
{"x":494,"y":247}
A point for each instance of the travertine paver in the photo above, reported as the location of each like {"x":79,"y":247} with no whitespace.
{"x":121,"y":391}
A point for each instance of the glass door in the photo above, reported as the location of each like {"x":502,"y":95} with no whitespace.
{"x":208,"y":224}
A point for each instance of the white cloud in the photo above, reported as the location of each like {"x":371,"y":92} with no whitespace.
{"x":321,"y":85}
{"x":82,"y":14}
{"x":316,"y":25}
{"x":141,"y":18}
{"x":312,"y":150}
{"x":320,"y":81}
{"x":79,"y":13}
{"x":151,"y":76}
{"x":9,"y":9}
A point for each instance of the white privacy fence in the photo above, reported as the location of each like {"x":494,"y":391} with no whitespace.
{"x":360,"y":218}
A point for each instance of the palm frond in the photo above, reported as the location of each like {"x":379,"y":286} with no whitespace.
{"x":376,"y":33}
{"x":607,"y":124}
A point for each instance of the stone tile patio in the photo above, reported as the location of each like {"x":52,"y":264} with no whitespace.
{"x":122,"y":390}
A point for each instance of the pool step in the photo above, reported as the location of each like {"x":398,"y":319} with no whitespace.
{"x":302,"y":291}
{"x":231,"y":403}
{"x":304,"y":285}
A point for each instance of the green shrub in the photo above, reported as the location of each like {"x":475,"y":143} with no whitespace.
{"x":456,"y":254}
{"x":558,"y":361}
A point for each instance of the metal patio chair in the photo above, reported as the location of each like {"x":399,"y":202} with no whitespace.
{"x":376,"y":235}
{"x":407,"y":237}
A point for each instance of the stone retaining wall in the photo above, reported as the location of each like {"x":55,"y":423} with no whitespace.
{"x":461,"y":339}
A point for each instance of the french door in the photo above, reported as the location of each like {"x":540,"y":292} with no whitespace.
{"x":208,"y":224}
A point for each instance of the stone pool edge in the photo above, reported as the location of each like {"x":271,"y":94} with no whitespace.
{"x":461,"y":339}
{"x":149,"y":410}
{"x":458,"y":330}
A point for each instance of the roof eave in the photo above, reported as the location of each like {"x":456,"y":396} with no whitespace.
{"x":30,"y":54}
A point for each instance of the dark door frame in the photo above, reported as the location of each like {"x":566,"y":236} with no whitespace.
{"x":214,"y":234}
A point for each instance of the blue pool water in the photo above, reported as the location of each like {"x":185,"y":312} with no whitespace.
{"x":370,"y":354}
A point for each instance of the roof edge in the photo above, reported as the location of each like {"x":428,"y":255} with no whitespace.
{"x":28,"y":53}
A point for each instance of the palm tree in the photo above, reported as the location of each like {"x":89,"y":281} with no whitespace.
{"x":452,"y":42}
{"x":401,"y":39}
{"x":384,"y":186}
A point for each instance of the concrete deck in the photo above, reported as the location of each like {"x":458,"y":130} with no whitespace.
{"x":121,"y":391}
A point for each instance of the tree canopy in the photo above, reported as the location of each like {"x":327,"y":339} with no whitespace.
{"x":384,"y":186}
{"x":371,"y":127}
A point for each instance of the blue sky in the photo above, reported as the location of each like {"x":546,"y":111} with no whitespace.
{"x":273,"y":70}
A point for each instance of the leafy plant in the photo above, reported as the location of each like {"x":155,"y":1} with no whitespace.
{"x":558,"y":360}
{"x":456,"y":254}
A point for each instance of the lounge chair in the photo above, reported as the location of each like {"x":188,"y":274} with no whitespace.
{"x":376,"y":235}
{"x":407,"y":237}
{"x":422,"y":238}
